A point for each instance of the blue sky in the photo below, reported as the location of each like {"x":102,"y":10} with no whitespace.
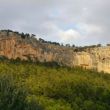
{"x":79,"y":22}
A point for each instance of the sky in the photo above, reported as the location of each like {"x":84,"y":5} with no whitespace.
{"x":79,"y":22}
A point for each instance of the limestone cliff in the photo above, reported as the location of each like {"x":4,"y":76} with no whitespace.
{"x":14,"y":45}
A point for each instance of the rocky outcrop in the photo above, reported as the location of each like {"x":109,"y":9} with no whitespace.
{"x":13,"y":46}
{"x":94,"y":58}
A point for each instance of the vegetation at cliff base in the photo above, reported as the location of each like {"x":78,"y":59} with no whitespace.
{"x":37,"y":86}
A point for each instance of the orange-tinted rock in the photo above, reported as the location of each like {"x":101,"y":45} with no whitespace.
{"x":13,"y":46}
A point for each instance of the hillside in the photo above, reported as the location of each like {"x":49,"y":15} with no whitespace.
{"x":41,"y":75}
{"x":15,"y":45}
{"x":40,"y":86}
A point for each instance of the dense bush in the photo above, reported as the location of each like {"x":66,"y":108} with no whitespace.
{"x":32,"y":86}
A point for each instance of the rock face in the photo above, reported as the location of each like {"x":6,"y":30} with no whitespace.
{"x":96,"y":58}
{"x":13,"y":46}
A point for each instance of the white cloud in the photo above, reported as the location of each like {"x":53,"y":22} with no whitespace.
{"x":69,"y":35}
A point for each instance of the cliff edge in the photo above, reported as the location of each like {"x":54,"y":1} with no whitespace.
{"x":24,"y":46}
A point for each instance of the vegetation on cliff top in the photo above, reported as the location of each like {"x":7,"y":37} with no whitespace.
{"x":32,"y":36}
{"x":37,"y":86}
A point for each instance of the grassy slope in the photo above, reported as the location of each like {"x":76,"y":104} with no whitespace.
{"x":29,"y":86}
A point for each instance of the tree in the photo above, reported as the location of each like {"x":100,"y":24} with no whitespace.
{"x":67,"y":45}
{"x":27,"y":35}
{"x":23,"y":35}
{"x":99,"y":45}
{"x":108,"y":44}
{"x":33,"y":35}
{"x":73,"y":45}
{"x":41,"y":40}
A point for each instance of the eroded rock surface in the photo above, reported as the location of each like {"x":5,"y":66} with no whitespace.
{"x":13,"y":46}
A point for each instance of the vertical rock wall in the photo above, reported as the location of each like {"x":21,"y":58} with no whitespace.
{"x":13,"y":46}
{"x":96,"y":58}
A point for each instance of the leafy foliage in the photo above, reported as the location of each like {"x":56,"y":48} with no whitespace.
{"x":35,"y":86}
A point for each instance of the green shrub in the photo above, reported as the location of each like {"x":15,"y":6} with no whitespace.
{"x":37,"y":86}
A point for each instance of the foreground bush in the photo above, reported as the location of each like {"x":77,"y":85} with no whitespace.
{"x":31,"y":86}
{"x":13,"y":95}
